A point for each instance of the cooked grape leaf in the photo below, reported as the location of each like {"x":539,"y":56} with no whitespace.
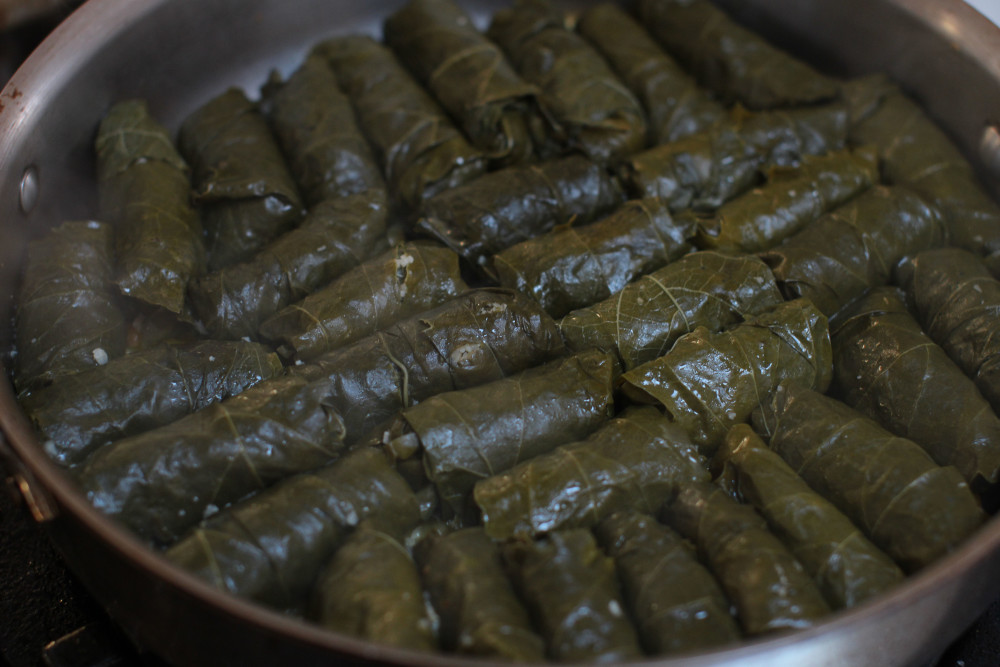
{"x":570,"y":587}
{"x":574,"y":267}
{"x":643,"y":320}
{"x":421,"y":151}
{"x":335,"y":236}
{"x":769,"y":587}
{"x":468,"y":74}
{"x":887,"y":368}
{"x":142,"y":391}
{"x":910,"y":507}
{"x":731,"y":60}
{"x":710,"y":381}
{"x":241,"y":183}
{"x":636,"y":461}
{"x":162,"y":482}
{"x":591,"y":111}
{"x":68,"y":319}
{"x":847,"y":567}
{"x":315,"y":126}
{"x":409,"y":279}
{"x":675,"y":601}
{"x":854,"y":247}
{"x":480,"y":614}
{"x":271,"y":546}
{"x":789,"y":200}
{"x":675,"y":105}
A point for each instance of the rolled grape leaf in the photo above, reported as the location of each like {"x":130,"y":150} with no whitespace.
{"x":335,"y":236}
{"x":371,"y":589}
{"x":468,"y":74}
{"x":241,"y":183}
{"x":769,"y":587}
{"x":315,"y":126}
{"x":705,"y":170}
{"x":847,"y":567}
{"x":407,"y":280}
{"x":505,"y":207}
{"x":420,"y":150}
{"x":592,"y":110}
{"x":570,"y":587}
{"x":709,"y":382}
{"x":476,"y":433}
{"x":913,"y":509}
{"x":675,"y":601}
{"x":887,"y":368}
{"x":854,"y":247}
{"x":481,"y":336}
{"x":271,"y":546}
{"x":162,"y":482}
{"x":142,"y":391}
{"x":68,"y":319}
{"x":643,"y":320}
{"x":789,"y":200}
{"x":957,"y":301}
{"x":636,"y":461}
{"x":144,"y":192}
{"x":918,"y":154}
{"x":736,"y":63}
{"x":480,"y":614}
{"x":576,"y":266}
{"x":675,"y":105}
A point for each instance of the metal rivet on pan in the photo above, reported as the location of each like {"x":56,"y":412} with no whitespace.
{"x":29,"y":188}
{"x":989,"y":149}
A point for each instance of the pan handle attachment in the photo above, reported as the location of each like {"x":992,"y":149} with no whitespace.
{"x":989,"y":149}
{"x":42,"y":506}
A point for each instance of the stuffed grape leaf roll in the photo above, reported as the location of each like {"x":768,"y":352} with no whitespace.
{"x":68,"y":318}
{"x":887,"y":368}
{"x":636,"y":461}
{"x":479,"y":611}
{"x":643,"y":320}
{"x":409,"y":279}
{"x":471,"y":434}
{"x":709,"y":382}
{"x":314,"y":124}
{"x":913,"y":509}
{"x":495,"y":211}
{"x":705,"y":170}
{"x":271,"y":546}
{"x":574,"y":267}
{"x":591,"y":110}
{"x":854,"y":247}
{"x":769,"y":587}
{"x":242,"y":185}
{"x":420,"y":150}
{"x":481,"y":336}
{"x":162,"y":482}
{"x":142,"y":391}
{"x":731,"y":60}
{"x":675,"y":601}
{"x":469,"y":76}
{"x":144,"y":191}
{"x":675,"y":105}
{"x":918,"y":154}
{"x":570,"y":587}
{"x":957,"y":301}
{"x":847,"y":567}
{"x":789,"y":200}
{"x":335,"y":236}
{"x":371,"y":589}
